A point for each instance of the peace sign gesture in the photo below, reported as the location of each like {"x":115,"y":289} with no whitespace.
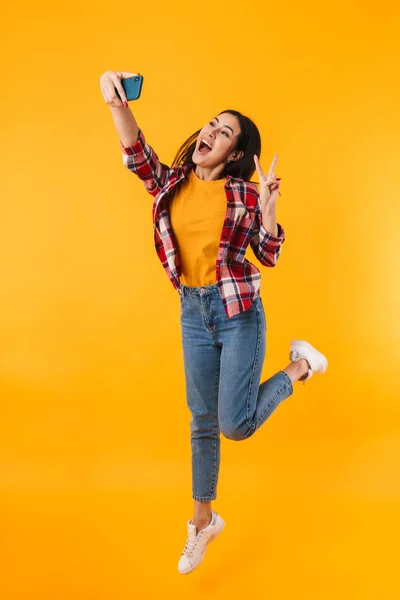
{"x":269,"y":184}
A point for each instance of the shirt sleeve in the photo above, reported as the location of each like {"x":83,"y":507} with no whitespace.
{"x":142,"y":160}
{"x":266,"y":247}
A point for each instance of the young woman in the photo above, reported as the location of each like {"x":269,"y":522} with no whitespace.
{"x":205,"y":213}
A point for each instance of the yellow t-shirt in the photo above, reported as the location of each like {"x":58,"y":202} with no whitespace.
{"x":197,"y":213}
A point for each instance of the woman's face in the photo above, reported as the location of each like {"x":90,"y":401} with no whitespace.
{"x":221,"y":135}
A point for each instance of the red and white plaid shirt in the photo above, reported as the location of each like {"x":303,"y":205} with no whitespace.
{"x":238,"y":280}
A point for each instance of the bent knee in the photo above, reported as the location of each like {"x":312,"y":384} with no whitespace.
{"x":236,"y":433}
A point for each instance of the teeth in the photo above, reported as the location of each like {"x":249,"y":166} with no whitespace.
{"x":204,"y":142}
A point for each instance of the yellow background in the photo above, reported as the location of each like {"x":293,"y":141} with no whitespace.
{"x":95,"y":473}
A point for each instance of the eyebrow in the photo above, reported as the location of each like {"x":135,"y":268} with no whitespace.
{"x":216,"y":118}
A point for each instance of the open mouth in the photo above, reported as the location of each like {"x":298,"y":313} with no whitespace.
{"x":204,"y":148}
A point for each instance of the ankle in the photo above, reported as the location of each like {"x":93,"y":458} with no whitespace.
{"x":303,"y":364}
{"x":297,"y":370}
{"x":202,"y":522}
{"x":304,"y":368}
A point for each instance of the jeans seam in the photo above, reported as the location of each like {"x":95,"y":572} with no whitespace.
{"x":214,"y":474}
{"x":289,"y":381}
{"x":204,"y":498}
{"x":273,"y":401}
{"x":249,"y":423}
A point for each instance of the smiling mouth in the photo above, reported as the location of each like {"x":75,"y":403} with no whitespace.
{"x":204,"y":148}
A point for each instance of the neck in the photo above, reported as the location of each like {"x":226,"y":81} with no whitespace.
{"x":209,"y":174}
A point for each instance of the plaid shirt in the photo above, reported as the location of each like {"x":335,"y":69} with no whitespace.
{"x":238,"y":280}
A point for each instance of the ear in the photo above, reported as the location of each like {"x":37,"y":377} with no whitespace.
{"x":236,"y":156}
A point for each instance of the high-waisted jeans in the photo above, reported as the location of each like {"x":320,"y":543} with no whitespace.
{"x":223,"y":360}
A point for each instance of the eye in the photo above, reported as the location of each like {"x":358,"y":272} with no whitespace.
{"x":211,"y":123}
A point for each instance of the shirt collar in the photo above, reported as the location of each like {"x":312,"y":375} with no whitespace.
{"x":228,"y":177}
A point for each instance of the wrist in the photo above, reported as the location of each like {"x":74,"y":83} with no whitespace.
{"x":269,"y":207}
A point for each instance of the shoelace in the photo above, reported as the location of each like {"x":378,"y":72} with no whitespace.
{"x":191,"y":543}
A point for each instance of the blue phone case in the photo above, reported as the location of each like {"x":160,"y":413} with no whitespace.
{"x":132,"y":87}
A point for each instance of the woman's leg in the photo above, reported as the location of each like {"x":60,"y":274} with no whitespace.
{"x":201,"y":365}
{"x":243,"y":403}
{"x":201,"y":514}
{"x":206,"y":333}
{"x":296,"y":370}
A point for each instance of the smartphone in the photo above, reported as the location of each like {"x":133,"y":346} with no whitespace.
{"x":132,"y":87}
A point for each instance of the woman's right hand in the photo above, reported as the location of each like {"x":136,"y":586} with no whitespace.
{"x":110,"y":81}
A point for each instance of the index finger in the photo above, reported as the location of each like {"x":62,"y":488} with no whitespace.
{"x":120,"y":91}
{"x":261,"y":175}
{"x":272,"y":167}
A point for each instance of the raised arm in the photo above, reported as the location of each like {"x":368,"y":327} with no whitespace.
{"x":125,"y":122}
{"x":137,"y":156}
{"x":265,"y":244}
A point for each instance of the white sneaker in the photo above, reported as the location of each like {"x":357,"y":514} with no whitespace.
{"x":317,"y":362}
{"x":196,"y":544}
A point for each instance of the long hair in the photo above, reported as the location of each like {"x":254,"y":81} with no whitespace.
{"x":249,"y":141}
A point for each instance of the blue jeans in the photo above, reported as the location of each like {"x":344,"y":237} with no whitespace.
{"x":223,"y":360}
